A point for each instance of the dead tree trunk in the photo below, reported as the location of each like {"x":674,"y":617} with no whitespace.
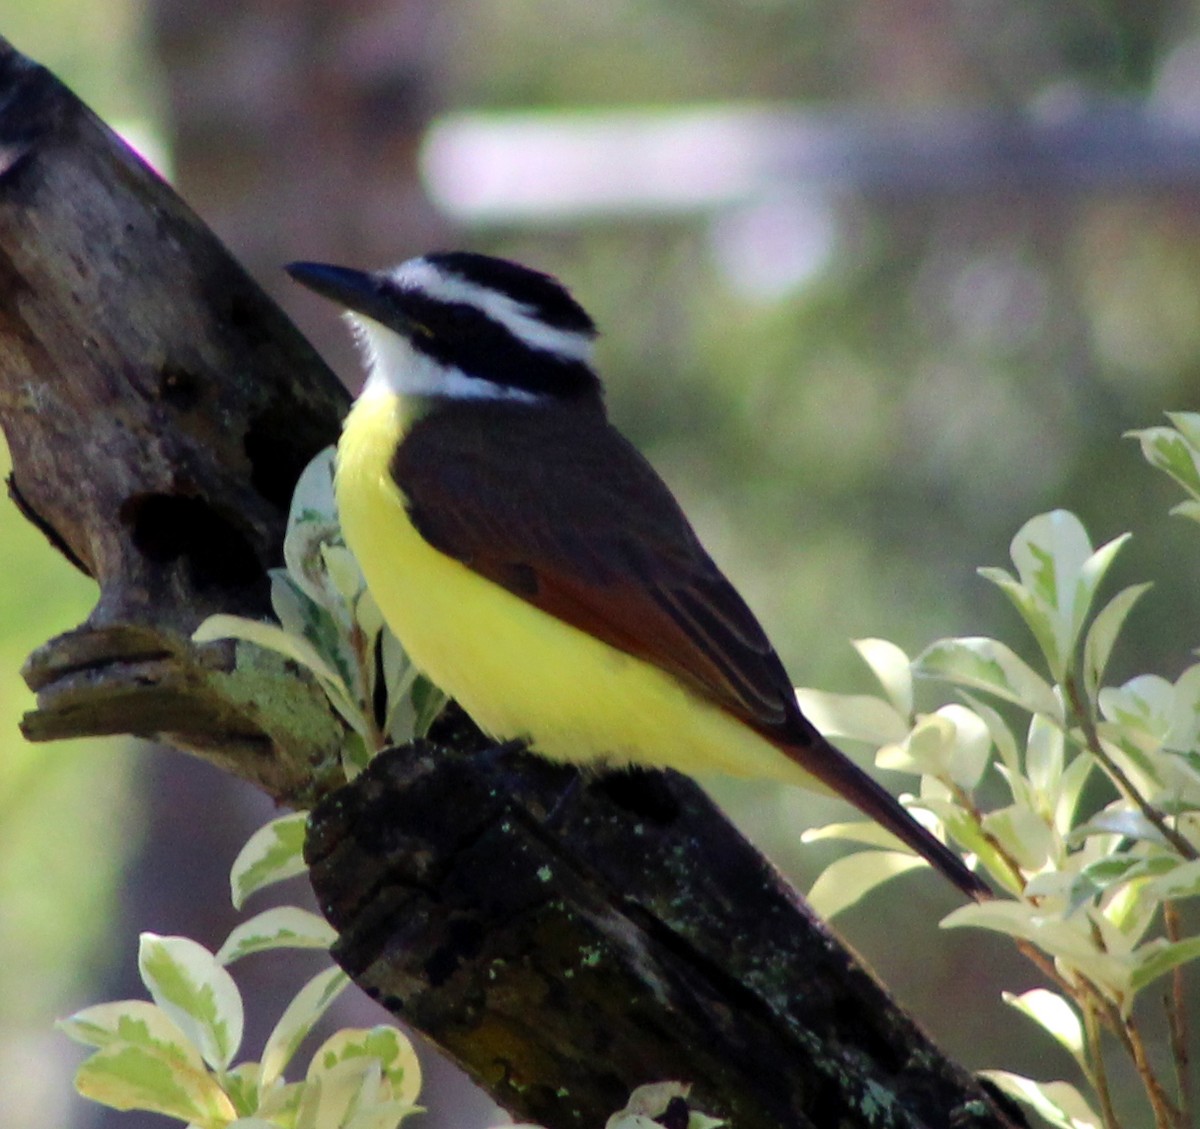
{"x":563,"y":944}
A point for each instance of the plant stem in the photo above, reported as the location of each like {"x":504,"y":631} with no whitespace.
{"x":963,"y":798}
{"x":1092,"y":738}
{"x":1097,"y":1072}
{"x":1177,"y":1020}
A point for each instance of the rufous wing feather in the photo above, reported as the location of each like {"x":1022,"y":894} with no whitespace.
{"x":587,"y":532}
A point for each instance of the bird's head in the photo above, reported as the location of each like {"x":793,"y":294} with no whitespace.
{"x":460,"y":325}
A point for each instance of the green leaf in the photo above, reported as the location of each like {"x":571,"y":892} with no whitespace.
{"x":1144,"y":706}
{"x":1044,"y":759}
{"x":1058,"y":1103}
{"x":1102,"y":635}
{"x":1039,"y":618}
{"x":1189,"y":509}
{"x":858,"y":717}
{"x":1023,"y":834}
{"x":272,"y":637}
{"x":847,"y":880}
{"x":1068,"y":938}
{"x":241,"y":1084}
{"x":284,"y":927}
{"x":1091,"y":575}
{"x":129,"y":1076}
{"x":988,"y":665}
{"x":1181,"y":881}
{"x":1118,"y":820}
{"x":1054,"y":1014}
{"x":962,"y":828}
{"x":196,"y":992}
{"x":867,"y":832}
{"x":273,"y":853}
{"x":1158,"y":957}
{"x":1070,"y":789}
{"x":892,"y":668}
{"x":1002,"y":738}
{"x":953,"y":744}
{"x":312,"y":523}
{"x":1167,"y":450}
{"x":134,"y":1023}
{"x":1059,"y":575}
{"x":298,"y":1019}
{"x":1188,"y":425}
{"x":428,"y":701}
{"x":384,"y":1044}
{"x":1104,"y":874}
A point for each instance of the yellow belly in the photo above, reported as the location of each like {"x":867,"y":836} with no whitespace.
{"x":519,"y":672}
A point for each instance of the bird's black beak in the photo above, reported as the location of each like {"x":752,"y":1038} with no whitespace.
{"x":358,"y":291}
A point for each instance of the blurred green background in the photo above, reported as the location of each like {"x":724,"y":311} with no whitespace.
{"x":859,"y":388}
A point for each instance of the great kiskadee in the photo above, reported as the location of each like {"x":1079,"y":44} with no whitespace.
{"x":533,"y":564}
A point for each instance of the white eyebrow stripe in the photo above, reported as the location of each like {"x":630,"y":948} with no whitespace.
{"x":424,"y":276}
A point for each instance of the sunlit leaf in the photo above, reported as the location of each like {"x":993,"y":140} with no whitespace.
{"x":1102,"y":635}
{"x":241,"y":1085}
{"x":1058,"y":1103}
{"x":1091,"y":575}
{"x":1038,"y":616}
{"x":951,"y":744}
{"x":196,"y":992}
{"x":309,"y":1004}
{"x":1158,"y":957}
{"x":988,"y":665}
{"x":129,"y":1076}
{"x":1002,"y":740}
{"x":1054,"y":1014}
{"x":1044,"y":758}
{"x":1166,"y":449}
{"x":1023,"y":833}
{"x":273,"y":853}
{"x":962,"y":828}
{"x":387,"y":1045}
{"x":847,"y":880}
{"x":892,"y":668}
{"x":311,"y":524}
{"x":1070,"y":789}
{"x":272,"y":637}
{"x":1188,"y":425}
{"x":1131,"y":909}
{"x":336,"y":1096}
{"x":133,"y":1023}
{"x":866,"y":832}
{"x":1181,"y":880}
{"x":1118,"y":820}
{"x":284,"y":927}
{"x":1189,"y":509}
{"x":858,"y":717}
{"x":1143,"y":703}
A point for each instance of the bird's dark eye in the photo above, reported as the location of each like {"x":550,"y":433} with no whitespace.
{"x":461,"y":320}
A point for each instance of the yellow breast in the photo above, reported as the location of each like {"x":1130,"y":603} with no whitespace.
{"x":519,"y":672}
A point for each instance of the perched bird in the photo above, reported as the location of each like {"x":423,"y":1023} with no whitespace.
{"x":533,"y":564}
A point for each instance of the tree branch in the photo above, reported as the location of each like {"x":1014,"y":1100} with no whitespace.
{"x":564,"y":944}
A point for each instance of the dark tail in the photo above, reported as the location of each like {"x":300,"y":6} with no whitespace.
{"x":841,"y":775}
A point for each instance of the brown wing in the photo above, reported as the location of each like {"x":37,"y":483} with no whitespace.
{"x":561,"y":510}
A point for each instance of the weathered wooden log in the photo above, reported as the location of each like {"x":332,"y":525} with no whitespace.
{"x":159,"y":408}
